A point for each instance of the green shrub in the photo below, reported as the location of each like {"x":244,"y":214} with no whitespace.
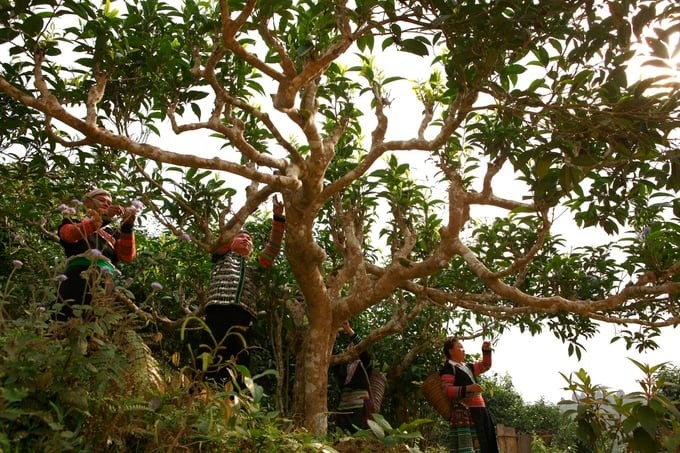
{"x":645,"y":421}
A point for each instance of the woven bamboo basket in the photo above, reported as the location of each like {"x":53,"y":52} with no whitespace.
{"x":434,"y":394}
{"x":377,"y":381}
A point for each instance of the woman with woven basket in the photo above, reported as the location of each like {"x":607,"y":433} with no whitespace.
{"x":472,"y":429}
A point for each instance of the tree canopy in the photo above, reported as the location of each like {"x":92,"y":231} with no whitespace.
{"x":287,"y":97}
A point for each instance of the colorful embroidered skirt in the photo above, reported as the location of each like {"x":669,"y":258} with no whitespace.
{"x":462,"y":436}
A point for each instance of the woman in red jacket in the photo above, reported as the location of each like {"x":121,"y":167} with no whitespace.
{"x":93,"y":247}
{"x":472,"y":429}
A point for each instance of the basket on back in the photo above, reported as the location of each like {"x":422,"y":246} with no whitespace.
{"x":432,"y":389}
{"x":377,"y":381}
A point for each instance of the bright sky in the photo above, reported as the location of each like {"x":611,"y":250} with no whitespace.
{"x":534,"y":363}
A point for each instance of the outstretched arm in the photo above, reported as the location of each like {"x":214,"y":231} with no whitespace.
{"x":126,"y":248}
{"x":273,"y":247}
{"x":484,"y":364}
{"x":354,"y":337}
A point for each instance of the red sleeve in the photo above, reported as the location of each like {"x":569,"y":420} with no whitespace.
{"x":125,"y":247}
{"x":449,"y":388}
{"x":74,"y":232}
{"x":484,"y":364}
{"x":271,"y":250}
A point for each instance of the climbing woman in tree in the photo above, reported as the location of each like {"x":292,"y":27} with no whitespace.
{"x":93,"y":248}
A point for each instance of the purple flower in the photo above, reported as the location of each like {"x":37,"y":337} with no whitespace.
{"x":137,"y":205}
{"x":61,"y":278}
{"x":17,"y":264}
{"x":96,"y":253}
{"x":645,"y":232}
{"x":66,"y":210}
{"x":156,"y":286}
{"x":76,"y":202}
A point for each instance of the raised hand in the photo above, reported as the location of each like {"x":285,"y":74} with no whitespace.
{"x":347,"y":328}
{"x":277,"y":206}
{"x":129,"y":215}
{"x":114,"y":210}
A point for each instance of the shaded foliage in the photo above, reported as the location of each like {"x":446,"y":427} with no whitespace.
{"x":287,"y":98}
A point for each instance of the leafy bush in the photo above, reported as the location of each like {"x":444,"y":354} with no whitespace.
{"x":507,"y":407}
{"x":645,"y":421}
{"x":94,"y":386}
{"x":63,"y":385}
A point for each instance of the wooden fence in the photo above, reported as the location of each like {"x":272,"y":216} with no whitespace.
{"x":510,"y":441}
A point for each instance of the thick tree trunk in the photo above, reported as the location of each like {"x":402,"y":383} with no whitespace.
{"x":315,"y":375}
{"x":305,"y":258}
{"x":299,"y":382}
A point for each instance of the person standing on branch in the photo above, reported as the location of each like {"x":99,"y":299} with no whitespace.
{"x":472,"y":429}
{"x":231,"y":307}
{"x":93,"y":248}
{"x":356,"y":407}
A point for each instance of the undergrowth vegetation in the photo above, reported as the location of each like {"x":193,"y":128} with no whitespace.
{"x":102,"y":381}
{"x":92,"y":384}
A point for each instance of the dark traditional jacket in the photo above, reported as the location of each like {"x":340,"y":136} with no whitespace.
{"x":455,"y":379}
{"x":232,"y":280}
{"x":78,"y":237}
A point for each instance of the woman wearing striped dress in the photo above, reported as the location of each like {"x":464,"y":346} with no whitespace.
{"x":471,"y":428}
